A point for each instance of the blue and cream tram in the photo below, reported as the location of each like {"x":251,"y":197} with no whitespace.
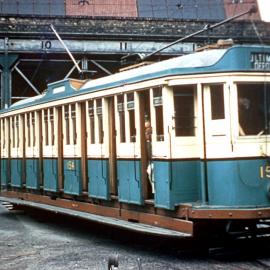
{"x":170,"y":145}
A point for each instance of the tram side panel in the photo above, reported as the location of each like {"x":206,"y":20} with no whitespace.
{"x":128,"y":152}
{"x":5,"y":161}
{"x":97,"y":148}
{"x":17,"y":174}
{"x":176,"y":163}
{"x":32,"y":149}
{"x":163,"y":165}
{"x":72,"y":149}
{"x":50,"y":149}
{"x":237,"y":161}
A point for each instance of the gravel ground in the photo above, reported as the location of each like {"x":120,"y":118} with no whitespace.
{"x":38,"y":241}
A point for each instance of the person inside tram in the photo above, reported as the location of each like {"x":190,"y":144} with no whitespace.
{"x":148,"y":145}
{"x":251,"y":111}
{"x":243,"y":107}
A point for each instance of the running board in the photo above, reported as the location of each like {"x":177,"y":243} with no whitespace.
{"x":138,"y":227}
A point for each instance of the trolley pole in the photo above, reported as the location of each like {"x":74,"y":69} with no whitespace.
{"x":207,"y":27}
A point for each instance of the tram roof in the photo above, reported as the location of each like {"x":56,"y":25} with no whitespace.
{"x":236,"y":58}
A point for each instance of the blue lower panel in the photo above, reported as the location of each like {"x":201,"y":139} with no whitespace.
{"x":4,"y":172}
{"x":162,"y":182}
{"x":16,"y":172}
{"x":50,"y":174}
{"x":32,"y":173}
{"x":129,"y":181}
{"x":238,"y":182}
{"x":98,"y":175}
{"x":72,"y":176}
{"x":176,"y":182}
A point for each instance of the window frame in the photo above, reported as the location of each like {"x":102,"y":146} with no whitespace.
{"x":195,"y":108}
{"x":241,"y":129}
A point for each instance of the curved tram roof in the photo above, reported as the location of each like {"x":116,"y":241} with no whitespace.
{"x":236,"y":58}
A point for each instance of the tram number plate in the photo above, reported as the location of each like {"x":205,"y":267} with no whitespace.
{"x":265,"y":171}
{"x":71,"y":165}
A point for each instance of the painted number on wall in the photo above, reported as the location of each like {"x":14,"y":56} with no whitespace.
{"x":123,"y":46}
{"x":46,"y":44}
{"x":265,"y":171}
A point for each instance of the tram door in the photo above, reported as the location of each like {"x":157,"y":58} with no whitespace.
{"x":112,"y":146}
{"x":16,"y":151}
{"x":50,"y":127}
{"x":97,"y":118}
{"x":32,"y":149}
{"x":217,"y":124}
{"x":128,"y":130}
{"x":72,"y":166}
{"x":218,"y":143}
{"x":146,"y":144}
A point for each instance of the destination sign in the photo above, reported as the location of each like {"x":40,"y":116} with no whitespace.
{"x":260,"y":61}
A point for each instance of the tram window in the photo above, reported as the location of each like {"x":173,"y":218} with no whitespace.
{"x":131,"y":114}
{"x":66,"y":111}
{"x":158,"y":104}
{"x":28,"y":129}
{"x":13,"y":131}
{"x":30,"y":125}
{"x":4,"y":133}
{"x":52,"y":124}
{"x":74,"y":124}
{"x":33,"y":129}
{"x":100,"y":120}
{"x":253,"y":108}
{"x":121,"y":112}
{"x":217,"y":101}
{"x":46,"y":128}
{"x":92,"y":121}
{"x":184,"y":110}
{"x":17,"y":127}
{"x":3,"y":137}
{"x":2,"y":140}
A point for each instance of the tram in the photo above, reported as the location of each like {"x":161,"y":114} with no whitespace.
{"x":172,"y":145}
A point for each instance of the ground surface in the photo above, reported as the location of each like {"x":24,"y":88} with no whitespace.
{"x":37,"y":241}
